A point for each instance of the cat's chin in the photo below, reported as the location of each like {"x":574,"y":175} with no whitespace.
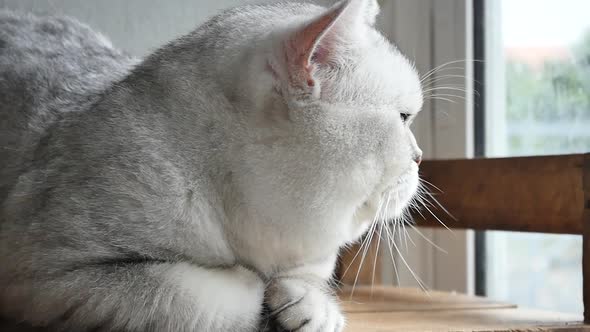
{"x":401,"y":193}
{"x":391,"y":202}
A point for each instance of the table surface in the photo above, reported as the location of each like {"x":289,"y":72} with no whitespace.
{"x":406,"y":309}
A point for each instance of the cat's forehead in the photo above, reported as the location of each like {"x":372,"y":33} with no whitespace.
{"x":400,"y":82}
{"x":380,"y":75}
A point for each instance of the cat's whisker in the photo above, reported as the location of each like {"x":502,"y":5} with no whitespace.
{"x":440,"y":71}
{"x":399,"y":223}
{"x":443,"y":99}
{"x":434,"y":82}
{"x":446,"y":86}
{"x":435,"y":94}
{"x":399,"y":232}
{"x":447,"y":95}
{"x":387,"y":231}
{"x":424,"y":201}
{"x":418,"y":280}
{"x":450,"y":98}
{"x":417,"y":202}
{"x":441,"y":206}
{"x":440,"y":67}
{"x":420,"y":197}
{"x":363,"y":242}
{"x":334,"y":283}
{"x":367,"y":245}
{"x":428,"y":240}
{"x":431,"y":196}
{"x":445,"y":89}
{"x":434,"y":79}
{"x":375,"y":260}
{"x":445,"y":76}
{"x":353,"y":259}
{"x":437,"y":218}
{"x":430,"y":77}
{"x":407,"y":218}
{"x":416,"y":208}
{"x":430,"y":184}
{"x":382,"y":217}
{"x":402,"y":220}
{"x":387,"y":204}
{"x":405,"y":234}
{"x":409,"y":237}
{"x":359,"y":268}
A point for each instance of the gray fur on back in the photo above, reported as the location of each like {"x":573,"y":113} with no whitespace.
{"x":49,"y":66}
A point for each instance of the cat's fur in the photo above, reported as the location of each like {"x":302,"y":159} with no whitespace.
{"x":224,"y":171}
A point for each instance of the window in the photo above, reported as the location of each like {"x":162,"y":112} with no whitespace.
{"x":537,"y":87}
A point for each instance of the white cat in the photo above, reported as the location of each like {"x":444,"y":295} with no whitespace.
{"x":221,"y":174}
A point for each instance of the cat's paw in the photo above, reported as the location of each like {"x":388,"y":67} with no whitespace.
{"x":299,"y":305}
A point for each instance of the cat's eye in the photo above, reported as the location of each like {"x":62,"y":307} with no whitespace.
{"x":405,"y":117}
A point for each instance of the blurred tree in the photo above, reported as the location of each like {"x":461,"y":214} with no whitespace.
{"x":556,"y":94}
{"x":560,"y":90}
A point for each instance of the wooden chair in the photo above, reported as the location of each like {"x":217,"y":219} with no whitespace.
{"x":549,"y":194}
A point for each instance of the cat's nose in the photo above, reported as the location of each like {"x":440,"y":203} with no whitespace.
{"x":418,"y":159}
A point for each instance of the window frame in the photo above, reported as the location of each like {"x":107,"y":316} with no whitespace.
{"x":479,"y":114}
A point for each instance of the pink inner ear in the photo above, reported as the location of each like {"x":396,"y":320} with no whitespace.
{"x":306,"y":40}
{"x":308,"y":45}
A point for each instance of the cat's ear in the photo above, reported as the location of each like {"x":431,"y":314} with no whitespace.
{"x":316,"y":41}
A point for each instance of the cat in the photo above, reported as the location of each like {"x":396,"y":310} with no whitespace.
{"x":216,"y":177}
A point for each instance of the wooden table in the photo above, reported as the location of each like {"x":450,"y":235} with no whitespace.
{"x":407,"y":309}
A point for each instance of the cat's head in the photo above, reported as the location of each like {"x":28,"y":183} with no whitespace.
{"x":333,"y":103}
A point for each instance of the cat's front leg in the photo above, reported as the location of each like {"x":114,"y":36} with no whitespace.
{"x":304,"y":304}
{"x":142,"y":297}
